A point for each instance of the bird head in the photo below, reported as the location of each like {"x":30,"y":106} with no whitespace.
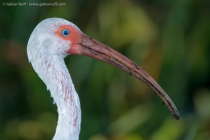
{"x":53,"y":36}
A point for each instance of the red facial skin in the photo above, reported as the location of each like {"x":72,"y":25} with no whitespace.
{"x":75,"y":37}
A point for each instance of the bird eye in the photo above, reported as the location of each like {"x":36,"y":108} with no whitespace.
{"x":65,"y":32}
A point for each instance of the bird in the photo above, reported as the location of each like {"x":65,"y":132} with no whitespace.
{"x":49,"y":43}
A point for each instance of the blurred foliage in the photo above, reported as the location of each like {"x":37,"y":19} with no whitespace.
{"x":168,"y":39}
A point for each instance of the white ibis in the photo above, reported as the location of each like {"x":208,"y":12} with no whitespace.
{"x":50,"y":42}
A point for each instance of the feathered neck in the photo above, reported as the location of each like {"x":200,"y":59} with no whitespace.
{"x":52,"y":70}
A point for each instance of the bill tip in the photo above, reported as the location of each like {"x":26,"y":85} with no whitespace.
{"x":176,"y":116}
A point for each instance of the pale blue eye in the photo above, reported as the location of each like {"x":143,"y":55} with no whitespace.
{"x":65,"y":32}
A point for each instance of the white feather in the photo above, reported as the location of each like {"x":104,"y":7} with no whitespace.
{"x":46,"y":51}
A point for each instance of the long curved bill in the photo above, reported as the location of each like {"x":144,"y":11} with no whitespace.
{"x":92,"y":48}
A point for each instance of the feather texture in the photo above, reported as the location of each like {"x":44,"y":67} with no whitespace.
{"x":46,"y":52}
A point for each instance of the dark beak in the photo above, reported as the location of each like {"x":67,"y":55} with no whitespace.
{"x":93,"y":48}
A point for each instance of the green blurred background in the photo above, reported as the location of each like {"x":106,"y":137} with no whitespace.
{"x":168,"y":39}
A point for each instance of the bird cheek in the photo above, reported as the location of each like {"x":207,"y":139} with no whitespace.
{"x":74,"y":49}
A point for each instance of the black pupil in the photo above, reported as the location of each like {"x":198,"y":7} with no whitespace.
{"x":65,"y":32}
